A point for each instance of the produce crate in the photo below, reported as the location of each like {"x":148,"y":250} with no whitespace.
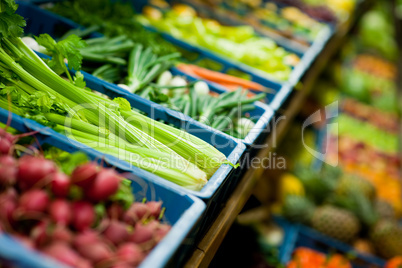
{"x":297,"y":235}
{"x":42,"y":21}
{"x":182,"y":210}
{"x":282,"y":88}
{"x":217,"y":190}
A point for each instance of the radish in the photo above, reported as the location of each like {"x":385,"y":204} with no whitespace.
{"x":105,"y":184}
{"x":136,"y":212}
{"x":60,"y":211}
{"x":143,"y":233}
{"x":60,"y":184}
{"x":62,"y":233}
{"x":95,"y":252}
{"x":130,"y":253}
{"x":84,"y":175}
{"x":39,"y":234}
{"x":63,"y":253}
{"x":115,"y":211}
{"x":5,"y":146}
{"x":8,"y":175}
{"x":34,"y":200}
{"x":154,"y":208}
{"x":116,"y":232}
{"x":32,"y":170}
{"x":162,"y":231}
{"x":83,"y":215}
{"x":85,"y":238}
{"x":7,"y":160}
{"x":8,"y":205}
{"x":10,"y":137}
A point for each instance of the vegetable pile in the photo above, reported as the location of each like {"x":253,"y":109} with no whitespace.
{"x":84,"y":219}
{"x":33,"y":89}
{"x":239,"y":43}
{"x":139,"y":70}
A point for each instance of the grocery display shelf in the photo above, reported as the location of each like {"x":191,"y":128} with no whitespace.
{"x":210,"y":243}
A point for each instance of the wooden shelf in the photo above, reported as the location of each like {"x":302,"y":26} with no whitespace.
{"x":208,"y":246}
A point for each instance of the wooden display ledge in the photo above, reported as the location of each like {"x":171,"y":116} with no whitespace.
{"x":208,"y":246}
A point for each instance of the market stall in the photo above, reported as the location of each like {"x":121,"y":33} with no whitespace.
{"x":182,"y":103}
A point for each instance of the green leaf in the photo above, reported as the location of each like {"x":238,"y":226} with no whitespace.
{"x":123,"y":104}
{"x":79,"y":80}
{"x":65,"y":49}
{"x":10,"y":23}
{"x":124,"y":195}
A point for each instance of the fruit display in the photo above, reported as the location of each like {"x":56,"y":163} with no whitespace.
{"x":87,"y":218}
{"x":346,"y":207}
{"x":239,"y":43}
{"x":308,"y":258}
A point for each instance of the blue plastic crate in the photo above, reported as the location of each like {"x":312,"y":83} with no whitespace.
{"x":41,"y":21}
{"x":182,"y":210}
{"x":297,"y":235}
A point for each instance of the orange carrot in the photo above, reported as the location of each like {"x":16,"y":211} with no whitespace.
{"x":220,"y":77}
{"x":233,"y":87}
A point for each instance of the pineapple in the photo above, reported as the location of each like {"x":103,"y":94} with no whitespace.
{"x":384,"y":209}
{"x":297,"y":209}
{"x":335,"y":222}
{"x":355,"y":183}
{"x":386,"y":236}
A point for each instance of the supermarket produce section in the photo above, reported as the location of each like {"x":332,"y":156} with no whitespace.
{"x":137,"y":133}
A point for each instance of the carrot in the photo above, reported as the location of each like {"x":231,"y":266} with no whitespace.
{"x":220,"y":77}
{"x":186,"y":68}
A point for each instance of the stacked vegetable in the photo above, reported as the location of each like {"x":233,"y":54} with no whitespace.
{"x":84,"y":219}
{"x":33,"y":89}
{"x":238,"y":43}
{"x":140,"y":70}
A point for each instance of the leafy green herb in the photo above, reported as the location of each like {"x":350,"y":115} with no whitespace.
{"x":64,"y":49}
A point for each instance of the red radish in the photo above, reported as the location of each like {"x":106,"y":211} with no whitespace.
{"x":7,"y":160}
{"x":143,"y":233}
{"x":135,"y":213}
{"x":62,"y":233}
{"x":130,"y":253}
{"x":5,"y":146}
{"x":154,"y":208}
{"x":63,"y":253}
{"x":83,"y":215}
{"x":39,"y":234}
{"x":121,"y":265}
{"x":60,"y":184}
{"x":95,"y":252}
{"x":32,"y":170}
{"x":4,"y":134}
{"x":162,"y":231}
{"x":105,"y":184}
{"x":8,"y":208}
{"x":116,"y":232}
{"x":84,"y":175}
{"x":34,"y":200}
{"x":26,"y":241}
{"x":60,"y":211}
{"x":115,"y":211}
{"x":8,"y":175}
{"x":85,"y":238}
{"x":83,"y":263}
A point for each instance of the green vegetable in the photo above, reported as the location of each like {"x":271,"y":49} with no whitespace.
{"x":38,"y":93}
